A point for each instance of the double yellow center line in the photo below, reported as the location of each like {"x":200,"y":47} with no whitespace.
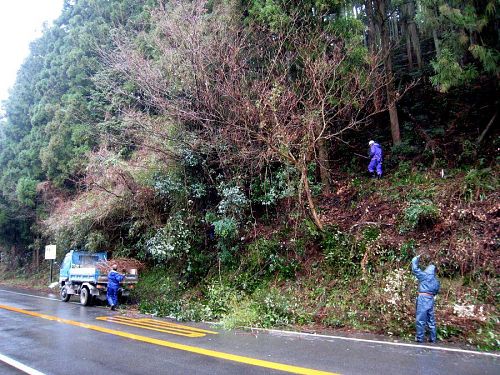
{"x":159,"y":326}
{"x":174,"y":345}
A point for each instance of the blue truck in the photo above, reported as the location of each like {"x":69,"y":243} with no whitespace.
{"x":80,"y":275}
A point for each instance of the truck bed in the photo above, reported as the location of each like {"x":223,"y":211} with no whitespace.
{"x":92,"y":275}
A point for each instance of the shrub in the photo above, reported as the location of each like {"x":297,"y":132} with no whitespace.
{"x":407,"y":174}
{"x":26,"y":191}
{"x":419,"y":193}
{"x":488,"y":337}
{"x":96,"y":241}
{"x":469,"y":152}
{"x":169,"y":188}
{"x":341,"y":252}
{"x":407,"y":251}
{"x":219,"y":297}
{"x":266,"y":257}
{"x":274,"y":186}
{"x":404,"y":150}
{"x":276,"y":309}
{"x":478,"y":182}
{"x":243,"y":313}
{"x":266,"y":308}
{"x":226,"y":228}
{"x":226,"y":233}
{"x":233,"y":202}
{"x":419,"y":214}
{"x":371,"y":233}
{"x":227,"y":221}
{"x":446,"y":331}
{"x":157,"y":291}
{"x":172,"y":241}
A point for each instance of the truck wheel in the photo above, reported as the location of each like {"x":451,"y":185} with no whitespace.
{"x":64,"y":294}
{"x":85,"y":296}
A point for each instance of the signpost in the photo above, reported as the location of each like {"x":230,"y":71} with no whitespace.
{"x":50,"y":253}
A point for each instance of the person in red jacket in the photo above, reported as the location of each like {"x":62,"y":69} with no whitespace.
{"x":114,"y":280}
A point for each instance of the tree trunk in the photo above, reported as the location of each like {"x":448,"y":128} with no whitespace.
{"x":393,"y":115}
{"x":394,"y":30}
{"x":412,"y":37}
{"x":323,"y":158}
{"x":412,"y":29}
{"x":324,"y":166}
{"x":310,"y":201}
{"x":382,"y":20}
{"x":409,"y":53}
{"x":372,"y":40}
{"x":435,"y":29}
{"x":436,"y":42}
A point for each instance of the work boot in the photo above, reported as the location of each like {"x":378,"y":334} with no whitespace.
{"x":113,"y":308}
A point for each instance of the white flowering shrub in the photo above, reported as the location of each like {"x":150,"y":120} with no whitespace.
{"x":395,"y":285}
{"x":171,"y":241}
{"x":189,"y":157}
{"x":395,"y":301}
{"x":198,"y":190}
{"x":233,"y":202}
{"x":167,"y":186}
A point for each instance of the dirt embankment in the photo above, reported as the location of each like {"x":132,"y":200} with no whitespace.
{"x":463,"y":236}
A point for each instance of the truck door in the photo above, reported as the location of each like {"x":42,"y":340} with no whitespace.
{"x":65,"y":266}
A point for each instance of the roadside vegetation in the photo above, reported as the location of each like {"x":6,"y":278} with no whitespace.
{"x":223,"y":144}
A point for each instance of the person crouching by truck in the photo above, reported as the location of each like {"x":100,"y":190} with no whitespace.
{"x":114,"y":280}
{"x":428,"y":287}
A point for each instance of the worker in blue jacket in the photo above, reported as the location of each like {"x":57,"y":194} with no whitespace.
{"x":375,"y":159}
{"x":428,"y":287}
{"x":114,"y":280}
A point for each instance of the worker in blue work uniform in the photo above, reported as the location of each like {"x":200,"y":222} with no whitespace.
{"x":114,"y":279}
{"x":428,"y":287}
{"x":375,"y":159}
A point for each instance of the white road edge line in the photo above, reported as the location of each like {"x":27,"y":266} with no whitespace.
{"x":292,"y":333}
{"x":49,"y":298}
{"x":20,"y":366}
{"x":32,"y":295}
{"x":29,"y":295}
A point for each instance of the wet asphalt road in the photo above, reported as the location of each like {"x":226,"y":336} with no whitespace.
{"x":81,"y":344}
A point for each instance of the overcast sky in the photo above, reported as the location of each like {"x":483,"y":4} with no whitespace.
{"x":21,"y":22}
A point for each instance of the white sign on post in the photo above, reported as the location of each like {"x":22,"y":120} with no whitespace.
{"x":50,"y":252}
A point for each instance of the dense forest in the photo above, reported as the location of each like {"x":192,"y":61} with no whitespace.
{"x":223,"y":143}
